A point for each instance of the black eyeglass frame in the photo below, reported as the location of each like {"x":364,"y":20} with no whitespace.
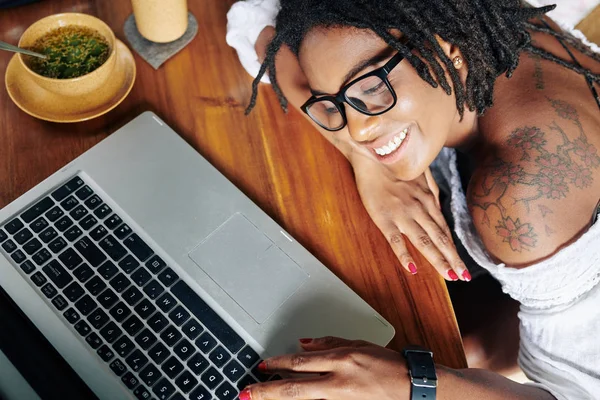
{"x":340,"y":98}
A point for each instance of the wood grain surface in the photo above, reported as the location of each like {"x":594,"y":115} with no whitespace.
{"x":278,"y":160}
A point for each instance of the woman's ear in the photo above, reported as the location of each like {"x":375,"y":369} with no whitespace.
{"x":452,"y":52}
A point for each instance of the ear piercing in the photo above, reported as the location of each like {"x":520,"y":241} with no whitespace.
{"x":458,"y":61}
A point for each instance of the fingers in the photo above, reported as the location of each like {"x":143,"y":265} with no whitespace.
{"x":289,"y":389}
{"x":398,"y":245}
{"x":330,"y":342}
{"x":309,"y":362}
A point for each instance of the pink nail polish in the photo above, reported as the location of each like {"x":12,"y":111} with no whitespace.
{"x":466,"y":276}
{"x":412,"y":268}
{"x":262,"y":367}
{"x":305,"y":341}
{"x":452,"y":275}
{"x":245,"y":395}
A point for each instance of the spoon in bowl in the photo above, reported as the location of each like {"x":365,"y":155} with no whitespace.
{"x":15,"y":49}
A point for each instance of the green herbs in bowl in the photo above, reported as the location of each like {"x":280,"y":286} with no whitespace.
{"x":71,"y":51}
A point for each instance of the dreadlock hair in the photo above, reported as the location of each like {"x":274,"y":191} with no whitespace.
{"x":490,"y":34}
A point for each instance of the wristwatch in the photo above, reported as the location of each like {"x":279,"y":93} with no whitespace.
{"x":423,"y":379}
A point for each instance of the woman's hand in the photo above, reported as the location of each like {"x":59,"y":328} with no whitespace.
{"x":411,"y":209}
{"x":344,"y":370}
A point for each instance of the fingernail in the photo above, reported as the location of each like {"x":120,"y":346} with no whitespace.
{"x":452,"y":275}
{"x":305,"y":341}
{"x":245,"y":395}
{"x":466,"y":275}
{"x":262,"y":366}
{"x":412,"y":268}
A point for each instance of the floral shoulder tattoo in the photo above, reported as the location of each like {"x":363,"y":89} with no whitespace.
{"x":544,"y":171}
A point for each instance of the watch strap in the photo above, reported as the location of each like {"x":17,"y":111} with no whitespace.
{"x":422,"y":373}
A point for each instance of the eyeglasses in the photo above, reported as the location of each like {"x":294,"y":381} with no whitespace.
{"x":370,"y":94}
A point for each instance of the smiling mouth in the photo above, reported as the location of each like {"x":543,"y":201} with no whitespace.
{"x":384,"y":152}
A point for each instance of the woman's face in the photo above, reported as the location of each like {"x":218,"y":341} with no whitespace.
{"x":429,"y":114}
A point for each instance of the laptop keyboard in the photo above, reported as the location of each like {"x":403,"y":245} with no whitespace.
{"x":129,"y":306}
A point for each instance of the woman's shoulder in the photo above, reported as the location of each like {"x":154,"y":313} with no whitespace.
{"x":537,"y":184}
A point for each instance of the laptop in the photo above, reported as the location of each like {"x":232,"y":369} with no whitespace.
{"x":153,"y":276}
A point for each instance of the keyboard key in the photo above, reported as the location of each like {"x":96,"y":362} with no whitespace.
{"x":155,"y":264}
{"x":107,"y":270}
{"x":73,"y":292}
{"x":226,"y":392}
{"x":168,"y":277}
{"x":206,"y":342}
{"x":248,"y":357}
{"x":18,"y":256}
{"x":108,"y":298}
{"x":73,"y":233}
{"x":54,"y":214}
{"x":84,"y":193}
{"x":118,"y":367}
{"x":105,"y":353}
{"x":38,"y":209}
{"x":177,"y":396}
{"x":95,"y":286}
{"x":27,"y":267}
{"x":153,"y":289}
{"x":86,"y":305}
{"x":64,"y":223}
{"x":57,"y":274}
{"x":94,"y":340}
{"x":184,"y":349}
{"x":133,"y":325}
{"x":49,"y":290}
{"x":67,"y":189}
{"x":234,"y":371}
{"x":132,"y":295}
{"x":71,"y":315}
{"x":198,"y":363}
{"x":57,"y":245}
{"x":166,"y":302}
{"x":200,"y":393}
{"x":70,"y":258}
{"x":32,"y":246}
{"x":246,"y":381}
{"x":38,"y":225}
{"x":113,"y":248}
{"x":102,"y":211}
{"x":82,"y":328}
{"x":128,"y":264}
{"x":38,"y":279}
{"x":113,"y":221}
{"x":120,"y":282}
{"x":179,"y":315}
{"x":171,"y":336}
{"x":69,"y":203}
{"x":3,"y":236}
{"x":219,"y":356}
{"x":145,"y":309}
{"x":98,"y":318}
{"x":211,"y":378}
{"x":141,"y":276}
{"x":90,"y":252}
{"x":111,"y":332}
{"x":79,"y":212}
{"x":120,"y":311}
{"x":93,"y":202}
{"x":145,"y":339}
{"x":159,"y":353}
{"x":98,"y":233}
{"x":23,"y":235}
{"x":136,"y":360}
{"x":138,"y":247}
{"x":130,"y":380}
{"x":142,"y":393}
{"x":172,"y":367}
{"x":88,"y":222}
{"x":48,"y":235}
{"x":158,"y":322}
{"x":150,"y":375}
{"x":186,"y":382}
{"x":123,"y":346}
{"x":14,"y":226}
{"x":122,"y":231}
{"x":9,"y":246}
{"x":192,"y":329}
{"x":163,"y":389}
{"x":83,"y":273}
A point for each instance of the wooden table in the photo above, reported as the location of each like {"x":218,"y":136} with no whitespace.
{"x":278,"y":160}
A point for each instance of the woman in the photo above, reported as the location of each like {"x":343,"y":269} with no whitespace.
{"x":394,"y":85}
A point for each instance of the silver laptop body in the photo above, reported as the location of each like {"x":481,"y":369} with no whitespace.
{"x":143,"y":198}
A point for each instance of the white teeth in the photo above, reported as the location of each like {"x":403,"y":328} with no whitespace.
{"x":392,"y":144}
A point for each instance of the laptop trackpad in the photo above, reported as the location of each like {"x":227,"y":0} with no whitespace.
{"x":249,"y":267}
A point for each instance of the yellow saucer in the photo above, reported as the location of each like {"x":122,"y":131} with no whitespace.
{"x":40,"y":103}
